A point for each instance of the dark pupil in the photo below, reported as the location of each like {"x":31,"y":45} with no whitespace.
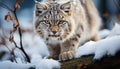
{"x":66,"y":11}
{"x":39,"y":11}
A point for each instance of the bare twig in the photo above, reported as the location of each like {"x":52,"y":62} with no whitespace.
{"x":16,"y":26}
{"x":28,"y":59}
{"x":15,"y":44}
{"x":11,"y":52}
{"x":5,"y":6}
{"x":116,"y":3}
{"x":20,"y":34}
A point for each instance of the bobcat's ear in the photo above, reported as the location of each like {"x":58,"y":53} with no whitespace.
{"x":66,"y":7}
{"x":40,"y":8}
{"x":41,"y":5}
{"x":83,"y":1}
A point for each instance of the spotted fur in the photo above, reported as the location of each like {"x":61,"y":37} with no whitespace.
{"x":64,"y":25}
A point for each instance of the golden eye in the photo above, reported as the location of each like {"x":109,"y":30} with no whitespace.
{"x":62,"y":23}
{"x":44,"y":24}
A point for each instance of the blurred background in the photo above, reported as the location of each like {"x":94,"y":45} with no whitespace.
{"x":109,"y":11}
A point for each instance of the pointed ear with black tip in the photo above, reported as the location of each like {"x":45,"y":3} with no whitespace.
{"x":66,"y":7}
{"x":40,"y":7}
{"x":83,"y":1}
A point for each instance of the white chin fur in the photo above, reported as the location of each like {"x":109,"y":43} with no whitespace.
{"x":54,"y":42}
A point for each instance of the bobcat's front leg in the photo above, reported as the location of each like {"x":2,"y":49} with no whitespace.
{"x":54,"y":51}
{"x":68,"y":48}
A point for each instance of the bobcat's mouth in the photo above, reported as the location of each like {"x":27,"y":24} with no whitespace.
{"x":53,"y":35}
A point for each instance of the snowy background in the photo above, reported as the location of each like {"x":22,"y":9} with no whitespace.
{"x":36,"y":48}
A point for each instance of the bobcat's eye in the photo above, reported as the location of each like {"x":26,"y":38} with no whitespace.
{"x":67,"y":11}
{"x":44,"y":24}
{"x":62,"y":23}
{"x":40,"y":12}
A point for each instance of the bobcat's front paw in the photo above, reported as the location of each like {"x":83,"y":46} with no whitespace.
{"x":66,"y":55}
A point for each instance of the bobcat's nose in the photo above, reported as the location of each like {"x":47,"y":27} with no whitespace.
{"x":54,"y":32}
{"x":54,"y":29}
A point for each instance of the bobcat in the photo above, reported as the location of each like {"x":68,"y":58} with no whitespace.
{"x":66,"y":24}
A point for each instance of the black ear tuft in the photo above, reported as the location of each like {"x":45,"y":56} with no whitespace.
{"x":66,"y":7}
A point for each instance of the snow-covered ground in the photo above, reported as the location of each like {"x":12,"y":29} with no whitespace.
{"x":37,"y":50}
{"x":108,"y":46}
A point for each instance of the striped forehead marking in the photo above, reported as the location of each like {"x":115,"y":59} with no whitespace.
{"x":53,"y":13}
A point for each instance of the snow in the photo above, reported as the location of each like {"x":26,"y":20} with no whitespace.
{"x":11,"y":65}
{"x":115,"y":31}
{"x":48,"y":64}
{"x":35,"y":45}
{"x":86,"y":49}
{"x":32,"y":44}
{"x":34,"y":57}
{"x":36,"y":49}
{"x":20,"y":57}
{"x":36,"y":62}
{"x":108,"y":46}
{"x":38,"y":52}
{"x":44,"y":63}
{"x":104,"y":33}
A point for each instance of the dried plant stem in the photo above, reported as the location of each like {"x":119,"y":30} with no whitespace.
{"x":15,"y":44}
{"x":12,"y":54}
{"x":18,"y":28}
{"x":20,"y":34}
{"x":28,"y":59}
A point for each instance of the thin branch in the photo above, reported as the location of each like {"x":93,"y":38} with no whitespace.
{"x":15,"y":44}
{"x":12,"y":54}
{"x":8,"y":48}
{"x":11,"y":51}
{"x":20,"y":34}
{"x":5,"y":6}
{"x":116,"y":3}
{"x":18,"y":28}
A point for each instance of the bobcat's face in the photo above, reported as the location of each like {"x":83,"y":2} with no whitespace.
{"x":53,"y":20}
